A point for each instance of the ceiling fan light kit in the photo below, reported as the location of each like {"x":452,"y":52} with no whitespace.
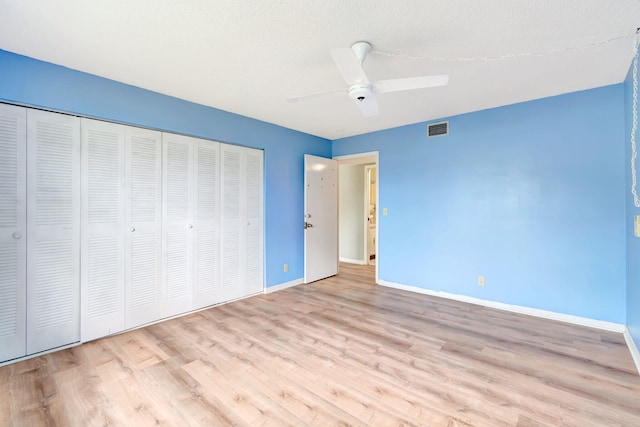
{"x":360,"y":92}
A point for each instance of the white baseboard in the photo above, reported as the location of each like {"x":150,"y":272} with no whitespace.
{"x":282,"y":286}
{"x":42,"y":353}
{"x":635,"y":354}
{"x":353,"y":261}
{"x":561,"y":317}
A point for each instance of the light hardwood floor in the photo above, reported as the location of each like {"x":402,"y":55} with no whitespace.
{"x":341,"y":351}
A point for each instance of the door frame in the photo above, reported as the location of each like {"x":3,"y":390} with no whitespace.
{"x":367,"y":203}
{"x":360,"y":159}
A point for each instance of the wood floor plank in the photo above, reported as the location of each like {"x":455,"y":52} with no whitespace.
{"x":340,"y":351}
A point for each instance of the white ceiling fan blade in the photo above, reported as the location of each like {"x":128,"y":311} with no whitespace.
{"x":349,"y":66}
{"x":368,"y":107}
{"x":397,"y":85}
{"x":323,"y":94}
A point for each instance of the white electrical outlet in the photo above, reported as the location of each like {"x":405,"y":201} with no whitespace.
{"x":385,"y":211}
{"x":636,"y":226}
{"x":286,"y":268}
{"x":480,"y":280}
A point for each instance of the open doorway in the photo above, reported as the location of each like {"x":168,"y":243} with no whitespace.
{"x":371,"y":209}
{"x":358,"y":179}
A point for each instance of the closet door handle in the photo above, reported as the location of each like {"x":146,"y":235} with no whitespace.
{"x":17,"y":235}
{"x":132,"y":229}
{"x":190,"y":226}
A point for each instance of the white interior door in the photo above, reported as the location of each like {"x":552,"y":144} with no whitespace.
{"x":178,"y":223}
{"x":143,"y":241}
{"x":241,"y":222}
{"x":206,"y":268}
{"x":233,"y":232}
{"x":13,"y":231}
{"x":53,"y":224}
{"x":103,"y":228}
{"x":254,"y":281}
{"x":321,"y":218}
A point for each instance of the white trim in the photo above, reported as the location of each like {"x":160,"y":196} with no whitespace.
{"x":367,"y":204}
{"x":282,"y":286}
{"x":364,"y":157}
{"x":42,"y":353}
{"x":356,"y":156}
{"x":561,"y":317}
{"x":352,"y":261}
{"x":635,"y":354}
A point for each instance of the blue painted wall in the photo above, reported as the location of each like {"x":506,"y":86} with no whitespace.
{"x":35,"y":83}
{"x":633,"y":243}
{"x":532,"y":196}
{"x":529,"y":195}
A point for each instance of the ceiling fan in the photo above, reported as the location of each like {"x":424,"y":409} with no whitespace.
{"x":349,"y":62}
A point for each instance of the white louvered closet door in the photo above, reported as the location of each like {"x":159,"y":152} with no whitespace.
{"x":143,"y":236}
{"x":13,"y":227}
{"x":178,"y":223}
{"x":102,"y":249}
{"x":241,"y":239}
{"x":207,"y":214}
{"x":53,"y":230}
{"x":254,"y":282}
{"x":233,"y":232}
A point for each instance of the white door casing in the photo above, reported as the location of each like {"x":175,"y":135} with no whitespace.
{"x":369,"y":223}
{"x":13,"y":231}
{"x":321,"y":218}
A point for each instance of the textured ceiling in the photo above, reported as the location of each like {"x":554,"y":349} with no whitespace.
{"x":247,"y":57}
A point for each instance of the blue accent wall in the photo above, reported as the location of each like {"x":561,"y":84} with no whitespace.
{"x":531,"y":196}
{"x":35,"y":83}
{"x":633,"y":243}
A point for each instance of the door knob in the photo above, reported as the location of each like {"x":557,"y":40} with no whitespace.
{"x":17,"y":235}
{"x":132,"y":229}
{"x":190,"y":226}
{"x":307,"y":225}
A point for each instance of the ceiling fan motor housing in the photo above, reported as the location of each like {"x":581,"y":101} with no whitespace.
{"x":360,"y":92}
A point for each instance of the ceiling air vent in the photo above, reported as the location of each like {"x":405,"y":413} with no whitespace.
{"x":438,"y":129}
